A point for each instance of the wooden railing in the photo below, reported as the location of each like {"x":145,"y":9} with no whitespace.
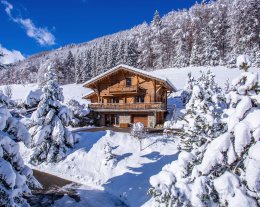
{"x":127,"y":106}
{"x":123,"y":89}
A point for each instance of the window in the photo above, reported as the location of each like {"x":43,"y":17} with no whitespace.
{"x":139,"y":99}
{"x":128,"y":81}
{"x":115,"y":100}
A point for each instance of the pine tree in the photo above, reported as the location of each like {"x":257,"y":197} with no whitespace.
{"x":225,"y":171}
{"x":156,"y":40}
{"x":145,"y":59}
{"x":50,"y":138}
{"x":203,"y":111}
{"x":78,"y":69}
{"x":1,"y":56}
{"x":16,"y":179}
{"x":69,"y":68}
{"x":187,"y":91}
{"x":110,"y":158}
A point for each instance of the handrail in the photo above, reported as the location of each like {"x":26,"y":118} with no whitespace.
{"x":126,"y":106}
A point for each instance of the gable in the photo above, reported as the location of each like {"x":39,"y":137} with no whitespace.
{"x":119,"y":74}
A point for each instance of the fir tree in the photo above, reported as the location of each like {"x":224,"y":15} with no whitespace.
{"x":16,"y":179}
{"x":50,"y":138}
{"x":224,"y":171}
{"x":203,"y":113}
{"x":186,"y":93}
{"x":69,"y":68}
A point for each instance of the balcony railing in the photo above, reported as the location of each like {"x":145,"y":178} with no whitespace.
{"x":126,"y":89}
{"x":127,"y":106}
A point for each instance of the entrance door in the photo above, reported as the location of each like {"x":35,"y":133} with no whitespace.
{"x":112,"y":119}
{"x":140,"y":118}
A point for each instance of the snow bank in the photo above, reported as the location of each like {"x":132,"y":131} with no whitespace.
{"x":128,"y":178}
{"x":178,"y":76}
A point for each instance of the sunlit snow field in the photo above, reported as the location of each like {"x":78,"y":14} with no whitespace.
{"x":128,"y":177}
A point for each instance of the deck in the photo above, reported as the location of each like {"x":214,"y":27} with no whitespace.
{"x":156,"y":106}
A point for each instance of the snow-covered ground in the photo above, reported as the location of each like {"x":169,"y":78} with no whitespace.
{"x":178,"y":75}
{"x":70,"y":91}
{"x":126,"y":175}
{"x":89,"y":197}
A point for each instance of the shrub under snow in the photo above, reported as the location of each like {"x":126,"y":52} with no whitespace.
{"x":110,"y":158}
{"x":50,"y":138}
{"x":79,"y":114}
{"x":228,"y":173}
{"x":15,"y":177}
{"x":5,"y":100}
{"x":33,"y":98}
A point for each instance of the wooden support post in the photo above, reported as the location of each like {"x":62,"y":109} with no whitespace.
{"x":166,"y":99}
{"x":154,"y":91}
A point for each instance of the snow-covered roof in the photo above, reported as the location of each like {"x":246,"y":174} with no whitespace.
{"x":90,"y":93}
{"x":132,"y":69}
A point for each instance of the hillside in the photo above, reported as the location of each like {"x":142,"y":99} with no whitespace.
{"x":205,"y":35}
{"x":176,"y":75}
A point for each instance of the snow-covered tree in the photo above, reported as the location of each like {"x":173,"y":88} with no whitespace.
{"x":4,"y":100}
{"x":138,"y":132}
{"x":110,"y":158}
{"x":1,"y":56}
{"x":186,"y":93}
{"x":202,"y":119}
{"x":228,"y":171}
{"x":145,"y":59}
{"x":50,"y":138}
{"x":69,"y":68}
{"x":8,"y":91}
{"x":16,"y":178}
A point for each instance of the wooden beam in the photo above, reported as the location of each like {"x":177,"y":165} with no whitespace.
{"x":166,"y":98}
{"x":154,"y":90}
{"x":97,"y":92}
{"x":158,"y":89}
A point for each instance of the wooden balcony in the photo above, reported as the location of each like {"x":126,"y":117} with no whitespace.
{"x":123,"y":89}
{"x":127,"y":106}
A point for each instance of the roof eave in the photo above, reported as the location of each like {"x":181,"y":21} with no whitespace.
{"x":88,"y":83}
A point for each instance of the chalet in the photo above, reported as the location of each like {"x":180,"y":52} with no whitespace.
{"x":124,"y":95}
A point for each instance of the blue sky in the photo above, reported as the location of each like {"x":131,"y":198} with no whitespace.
{"x":31,"y":26}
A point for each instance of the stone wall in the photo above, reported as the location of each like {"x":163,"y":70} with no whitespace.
{"x":151,"y":120}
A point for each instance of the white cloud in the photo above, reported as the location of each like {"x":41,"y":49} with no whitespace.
{"x":10,"y":56}
{"x":42,"y":35}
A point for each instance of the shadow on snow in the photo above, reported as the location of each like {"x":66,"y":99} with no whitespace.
{"x":136,"y":184}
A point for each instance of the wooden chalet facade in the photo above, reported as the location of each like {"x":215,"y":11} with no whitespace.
{"x":124,"y":95}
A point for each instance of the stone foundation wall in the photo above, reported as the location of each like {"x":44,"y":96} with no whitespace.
{"x":151,"y":120}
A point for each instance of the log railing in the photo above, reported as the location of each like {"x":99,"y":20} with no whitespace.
{"x":127,"y":106}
